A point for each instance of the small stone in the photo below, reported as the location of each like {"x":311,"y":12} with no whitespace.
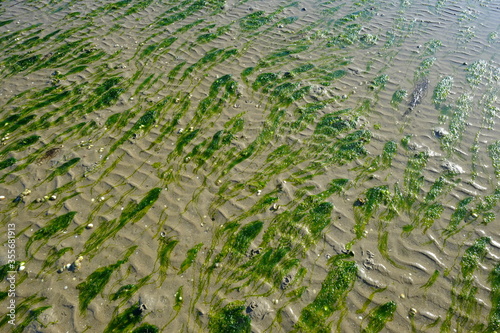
{"x":60,"y":270}
{"x":38,"y":200}
{"x":2,"y":197}
{"x":89,"y":226}
{"x":180,"y":131}
{"x":53,"y":197}
{"x":259,"y":192}
{"x":21,"y":268}
{"x":26,"y":192}
{"x":412,"y":312}
{"x":402,"y":296}
{"x":276,"y":301}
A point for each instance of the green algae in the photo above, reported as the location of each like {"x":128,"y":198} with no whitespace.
{"x":230,"y":319}
{"x":413,"y":178}
{"x":476,"y":72}
{"x":52,"y":257}
{"x":431,"y":47}
{"x":95,"y":283}
{"x":126,"y":320}
{"x":23,"y":310}
{"x":255,"y":20}
{"x":464,"y":308}
{"x":7,"y":163}
{"x":53,"y":227}
{"x":165,"y":249}
{"x":494,"y":315}
{"x":331,"y":298}
{"x":190,"y":258}
{"x":263,"y":80}
{"x":146,"y":328}
{"x":378,"y":317}
{"x":379,"y":82}
{"x":364,"y":209}
{"x":459,"y":215}
{"x":132,"y":213}
{"x":494,"y":153}
{"x":442,"y":90}
{"x":20,"y":144}
{"x":63,"y":168}
{"x":432,"y":279}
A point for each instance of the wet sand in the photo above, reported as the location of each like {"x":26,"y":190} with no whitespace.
{"x":153,"y":128}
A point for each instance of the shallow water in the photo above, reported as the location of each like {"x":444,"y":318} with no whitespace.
{"x":235,"y":166}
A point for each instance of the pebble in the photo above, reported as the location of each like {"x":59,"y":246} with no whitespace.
{"x":53,"y":197}
{"x":259,"y":192}
{"x":2,"y":197}
{"x":89,"y":226}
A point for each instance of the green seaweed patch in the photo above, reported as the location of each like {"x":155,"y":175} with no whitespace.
{"x":432,"y":279}
{"x":126,"y":320}
{"x":476,"y":72}
{"x":365,"y":209}
{"x":193,"y":8}
{"x":457,"y":124}
{"x":63,"y":169}
{"x":350,"y":36}
{"x":332,"y":297}
{"x":431,"y":47}
{"x":379,"y":82}
{"x":230,"y":319}
{"x":464,"y":307}
{"x":494,"y":153}
{"x":53,"y":256}
{"x":368,"y":40}
{"x":494,"y":315}
{"x":190,"y":258}
{"x":132,"y":213}
{"x":413,"y":178}
{"x":254,"y":20}
{"x":264,"y":79}
{"x":30,"y":315}
{"x":54,"y":226}
{"x":350,"y":148}
{"x":146,"y":328}
{"x":20,"y":144}
{"x":178,"y":299}
{"x":165,"y":249}
{"x":127,"y":291}
{"x":242,"y":240}
{"x":7,"y":163}
{"x":138,"y":6}
{"x":442,"y":90}
{"x":378,"y":317}
{"x":423,"y":69}
{"x":94,"y":283}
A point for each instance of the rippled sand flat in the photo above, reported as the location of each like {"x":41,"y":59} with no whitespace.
{"x":250,"y":166}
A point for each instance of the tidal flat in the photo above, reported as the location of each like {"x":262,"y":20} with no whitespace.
{"x":232,"y":166}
